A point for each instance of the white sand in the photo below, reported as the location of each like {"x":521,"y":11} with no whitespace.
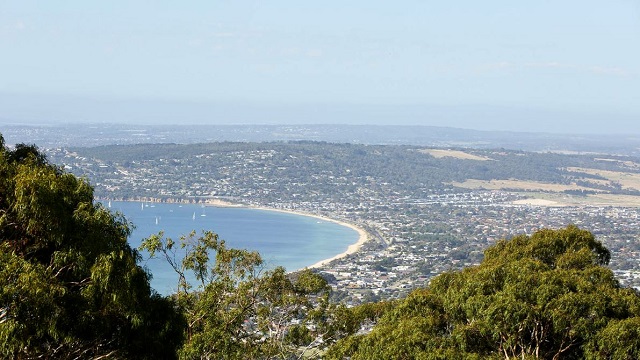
{"x":350,"y":250}
{"x":363,"y":238}
{"x":220,"y":203}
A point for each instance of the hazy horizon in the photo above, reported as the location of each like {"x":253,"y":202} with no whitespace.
{"x":558,"y":67}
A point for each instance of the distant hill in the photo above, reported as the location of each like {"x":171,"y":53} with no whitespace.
{"x":110,"y":134}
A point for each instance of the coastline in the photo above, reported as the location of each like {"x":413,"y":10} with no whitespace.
{"x":352,"y":249}
{"x":363,"y":236}
{"x":221,"y":203}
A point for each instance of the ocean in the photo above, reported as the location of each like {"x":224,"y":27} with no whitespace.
{"x":282,"y":239}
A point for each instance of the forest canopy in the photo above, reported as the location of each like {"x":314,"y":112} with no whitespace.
{"x":70,"y":285}
{"x":546,"y":296}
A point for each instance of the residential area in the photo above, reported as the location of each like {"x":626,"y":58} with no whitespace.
{"x":418,"y":225}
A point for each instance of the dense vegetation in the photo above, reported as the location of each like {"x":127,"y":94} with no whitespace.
{"x":71,"y":287}
{"x":542,"y":296}
{"x":233,"y":309}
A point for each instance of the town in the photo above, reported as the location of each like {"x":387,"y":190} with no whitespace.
{"x":419,"y":224}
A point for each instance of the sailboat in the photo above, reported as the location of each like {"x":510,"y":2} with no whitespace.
{"x":194,"y":216}
{"x":203,"y":214}
{"x":109,"y":204}
{"x":156,"y":220}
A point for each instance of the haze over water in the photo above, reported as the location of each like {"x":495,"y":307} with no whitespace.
{"x":533,"y":66}
{"x":283,"y":239}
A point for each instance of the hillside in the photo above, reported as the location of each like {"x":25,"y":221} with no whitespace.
{"x":427,"y":210}
{"x":547,"y":295}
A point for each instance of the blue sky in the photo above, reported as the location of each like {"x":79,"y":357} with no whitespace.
{"x":511,"y":65}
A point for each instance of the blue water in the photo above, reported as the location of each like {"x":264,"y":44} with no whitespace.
{"x":282,"y":239}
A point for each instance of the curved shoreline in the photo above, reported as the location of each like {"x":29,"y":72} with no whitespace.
{"x":363,"y":236}
{"x":351,"y":249}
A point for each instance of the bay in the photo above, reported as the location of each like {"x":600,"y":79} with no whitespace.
{"x":282,"y":239}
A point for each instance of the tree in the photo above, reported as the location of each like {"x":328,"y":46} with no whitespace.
{"x":234,"y":308}
{"x":547,"y":295}
{"x":70,"y":286}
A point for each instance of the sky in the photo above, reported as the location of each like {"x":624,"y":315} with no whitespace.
{"x":552,"y":66}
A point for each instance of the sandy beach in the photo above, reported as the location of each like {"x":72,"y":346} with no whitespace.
{"x":350,"y":250}
{"x":221,"y":203}
{"x":363,"y":236}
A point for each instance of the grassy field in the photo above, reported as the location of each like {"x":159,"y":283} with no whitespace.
{"x":440,"y":153}
{"x":626,"y":163}
{"x":516,"y":185}
{"x":548,"y":194}
{"x":625,"y":179}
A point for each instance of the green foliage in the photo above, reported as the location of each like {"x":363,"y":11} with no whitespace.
{"x":28,"y":296}
{"x":541,"y":296}
{"x":70,"y":286}
{"x":620,"y":339}
{"x":233,"y":307}
{"x":553,"y":248}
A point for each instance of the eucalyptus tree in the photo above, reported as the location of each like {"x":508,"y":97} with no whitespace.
{"x":547,"y":296}
{"x":234,"y":307}
{"x":70,"y":286}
